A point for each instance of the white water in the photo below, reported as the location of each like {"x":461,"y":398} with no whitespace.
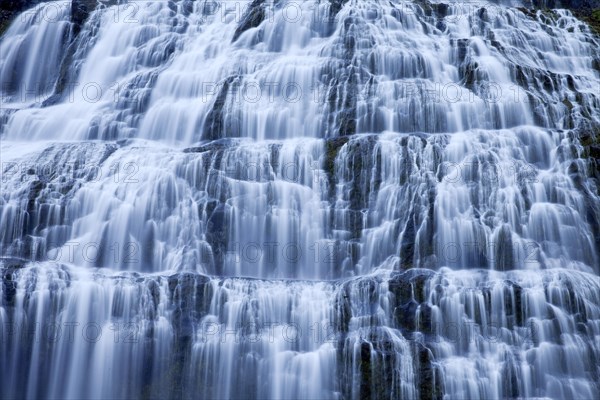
{"x":243,"y":202}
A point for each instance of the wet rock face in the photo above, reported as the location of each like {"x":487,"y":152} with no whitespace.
{"x":589,"y":138}
{"x":429,"y":376}
{"x":218,"y":121}
{"x":410,"y":289}
{"x":8,"y":266}
{"x":253,"y":18}
{"x":190,"y":296}
{"x":80,"y":11}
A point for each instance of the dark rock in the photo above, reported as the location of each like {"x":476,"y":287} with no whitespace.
{"x":212,"y":146}
{"x":406,"y":315}
{"x":332,"y":148}
{"x":503,"y":250}
{"x":371,"y":372}
{"x":80,"y":11}
{"x":410,"y":284}
{"x":343,"y":310}
{"x":585,"y":10}
{"x":218,"y":122}
{"x":588,"y":137}
{"x":410,"y":296}
{"x":190,"y":296}
{"x":187,"y":7}
{"x":335,"y":6}
{"x":217,"y":235}
{"x":253,"y":18}
{"x":513,"y":303}
{"x":365,"y":370}
{"x":8,"y":267}
{"x":425,"y":323}
{"x":429,"y":376}
{"x":407,"y":247}
{"x":9,"y":9}
{"x":401,"y":288}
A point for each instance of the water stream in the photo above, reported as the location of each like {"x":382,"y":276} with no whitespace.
{"x":320,"y":199}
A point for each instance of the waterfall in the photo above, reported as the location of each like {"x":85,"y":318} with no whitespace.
{"x":318,"y":199}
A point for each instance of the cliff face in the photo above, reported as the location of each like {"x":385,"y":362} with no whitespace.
{"x":367,"y":234}
{"x":81,"y":9}
{"x":586,"y":10}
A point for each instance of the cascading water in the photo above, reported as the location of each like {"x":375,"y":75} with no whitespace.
{"x":279,"y":199}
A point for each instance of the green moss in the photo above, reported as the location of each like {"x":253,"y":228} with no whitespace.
{"x":590,"y":136}
{"x":332,"y":148}
{"x":589,"y":139}
{"x":567,"y":104}
{"x":592,"y":18}
{"x":529,"y":12}
{"x":549,"y":13}
{"x":4,"y":25}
